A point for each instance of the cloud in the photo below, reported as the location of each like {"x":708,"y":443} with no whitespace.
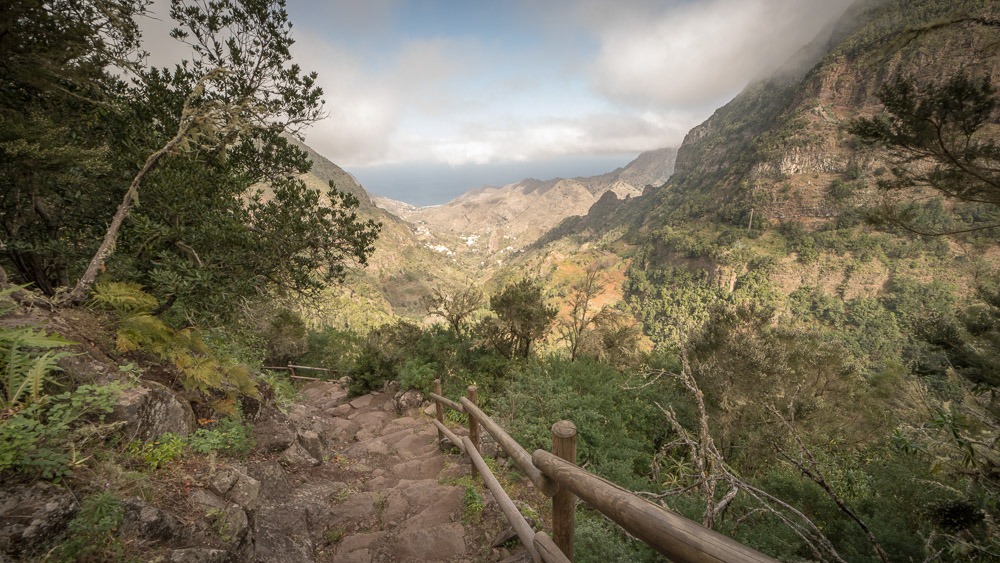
{"x":367,"y":104}
{"x":576,"y":77}
{"x":683,"y":54}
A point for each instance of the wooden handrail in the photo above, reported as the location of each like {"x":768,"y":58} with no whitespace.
{"x":513,"y":450}
{"x":292,"y":374}
{"x":447,"y":402}
{"x":671,"y":534}
{"x":548,"y":549}
{"x":450,"y":435}
{"x":514,"y":516}
{"x":312,"y":368}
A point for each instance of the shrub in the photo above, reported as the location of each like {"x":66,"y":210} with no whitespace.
{"x":287,"y":338}
{"x":93,"y":532}
{"x":139,"y":328}
{"x":230,"y":436}
{"x":44,"y":440}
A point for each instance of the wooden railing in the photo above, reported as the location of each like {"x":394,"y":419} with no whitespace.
{"x":557,"y":475}
{"x":291,"y":371}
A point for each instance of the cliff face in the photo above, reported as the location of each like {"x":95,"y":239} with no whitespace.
{"x":777,"y":146}
{"x":769,"y":194}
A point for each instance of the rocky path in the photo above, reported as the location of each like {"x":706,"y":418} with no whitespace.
{"x":335,"y":479}
{"x":364,"y":481}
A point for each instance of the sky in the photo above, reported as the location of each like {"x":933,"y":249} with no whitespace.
{"x":427,"y":99}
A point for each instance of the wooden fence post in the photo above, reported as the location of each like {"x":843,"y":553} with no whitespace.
{"x":564,"y":502}
{"x":440,"y":409}
{"x":473,"y":395}
{"x":291,"y":371}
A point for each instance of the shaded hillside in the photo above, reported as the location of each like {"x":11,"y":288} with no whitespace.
{"x":404,"y":267}
{"x":776,"y":163}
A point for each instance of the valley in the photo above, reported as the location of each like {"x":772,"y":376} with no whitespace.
{"x":786,"y":329}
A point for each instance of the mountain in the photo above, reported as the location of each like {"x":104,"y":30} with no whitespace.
{"x":770,"y":196}
{"x":497,"y":219}
{"x":405,"y":266}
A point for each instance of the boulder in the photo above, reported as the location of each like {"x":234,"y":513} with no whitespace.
{"x":281,"y":534}
{"x":312,"y":443}
{"x":146,"y":522}
{"x":232,"y":524}
{"x":406,"y":400}
{"x":150,"y":411}
{"x":272,"y":433}
{"x":274,"y":481}
{"x":236,"y":486}
{"x":33,"y":518}
{"x":297,"y":455}
{"x":436,"y":543}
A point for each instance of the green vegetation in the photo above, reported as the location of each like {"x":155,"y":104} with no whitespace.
{"x":47,"y":439}
{"x":140,"y":329}
{"x":93,"y":531}
{"x":24,"y":367}
{"x":814,"y":387}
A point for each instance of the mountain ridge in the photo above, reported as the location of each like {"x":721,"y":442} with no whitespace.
{"x":515,"y":215}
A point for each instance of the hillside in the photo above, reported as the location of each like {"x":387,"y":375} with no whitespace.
{"x":405,"y":266}
{"x":497,"y":219}
{"x":772,"y":186}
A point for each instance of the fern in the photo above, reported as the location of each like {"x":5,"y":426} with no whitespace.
{"x":23,"y":372}
{"x":139,"y":329}
{"x":125,"y":298}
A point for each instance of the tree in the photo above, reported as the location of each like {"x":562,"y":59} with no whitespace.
{"x":238,"y":84}
{"x":522,"y":317}
{"x":580,"y":314}
{"x":454,"y":306}
{"x":744,"y":364}
{"x":55,"y":93}
{"x":939,"y":137}
{"x":223,"y":213}
{"x":613,"y":339}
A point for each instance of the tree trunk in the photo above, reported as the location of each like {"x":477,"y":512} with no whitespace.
{"x":82,"y":287}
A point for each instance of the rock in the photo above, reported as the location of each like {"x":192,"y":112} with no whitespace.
{"x":520,"y":557}
{"x":296,"y":454}
{"x":312,"y":443}
{"x":356,"y":512}
{"x":343,"y":428}
{"x":150,"y":411}
{"x":438,"y":543}
{"x":233,"y":525}
{"x":488,"y":446}
{"x":342,"y":410}
{"x":272,"y":433}
{"x":234,"y":485}
{"x":406,"y":400}
{"x":207,"y":500}
{"x":281,"y":534}
{"x":274,"y":481}
{"x":146,"y":522}
{"x":362,"y":401}
{"x":504,"y":537}
{"x":245,"y":491}
{"x":431,"y":409}
{"x":200,"y":555}
{"x":33,"y":518}
{"x":223,"y":481}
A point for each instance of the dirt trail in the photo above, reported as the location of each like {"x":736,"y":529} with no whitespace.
{"x":384,"y":490}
